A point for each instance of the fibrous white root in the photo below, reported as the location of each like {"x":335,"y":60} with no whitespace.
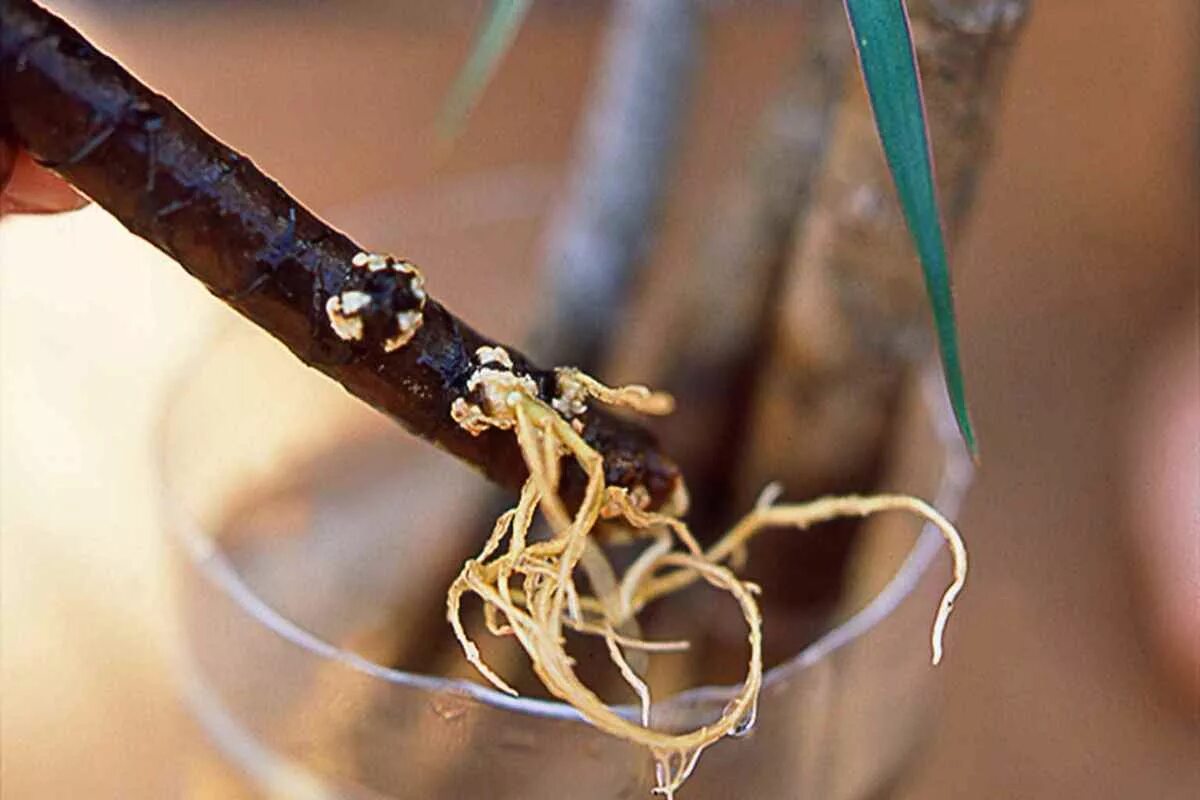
{"x":528,"y":589}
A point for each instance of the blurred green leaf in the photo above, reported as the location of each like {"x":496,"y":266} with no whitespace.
{"x":494,"y":40}
{"x":883,"y":39}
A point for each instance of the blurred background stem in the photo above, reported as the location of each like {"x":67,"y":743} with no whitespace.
{"x":851,"y":318}
{"x":623,"y":156}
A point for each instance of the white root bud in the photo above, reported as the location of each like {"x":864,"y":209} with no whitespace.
{"x":371,"y":305}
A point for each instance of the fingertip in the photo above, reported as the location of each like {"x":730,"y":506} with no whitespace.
{"x":28,"y":188}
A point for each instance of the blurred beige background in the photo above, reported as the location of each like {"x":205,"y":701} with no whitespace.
{"x":1085,"y":241}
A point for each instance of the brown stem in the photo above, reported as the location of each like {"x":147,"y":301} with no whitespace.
{"x":234,"y":229}
{"x":718,"y":335}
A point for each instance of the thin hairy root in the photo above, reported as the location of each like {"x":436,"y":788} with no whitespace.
{"x":630,"y":643}
{"x":631,"y":677}
{"x":574,"y":389}
{"x":604,"y":585}
{"x":672,"y":769}
{"x":454,"y":615}
{"x":824,"y":510}
{"x":528,"y":589}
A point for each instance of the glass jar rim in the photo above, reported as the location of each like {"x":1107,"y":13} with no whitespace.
{"x":215,"y":567}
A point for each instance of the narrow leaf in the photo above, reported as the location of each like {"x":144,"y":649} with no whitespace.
{"x":883,"y":39}
{"x":494,"y":40}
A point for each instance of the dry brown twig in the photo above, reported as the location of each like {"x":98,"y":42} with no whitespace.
{"x":850,"y":318}
{"x":722,"y":323}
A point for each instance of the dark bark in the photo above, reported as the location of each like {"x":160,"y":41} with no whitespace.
{"x":166,"y":179}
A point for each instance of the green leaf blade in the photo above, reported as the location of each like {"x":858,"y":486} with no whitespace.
{"x":493,"y":41}
{"x":883,"y":39}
